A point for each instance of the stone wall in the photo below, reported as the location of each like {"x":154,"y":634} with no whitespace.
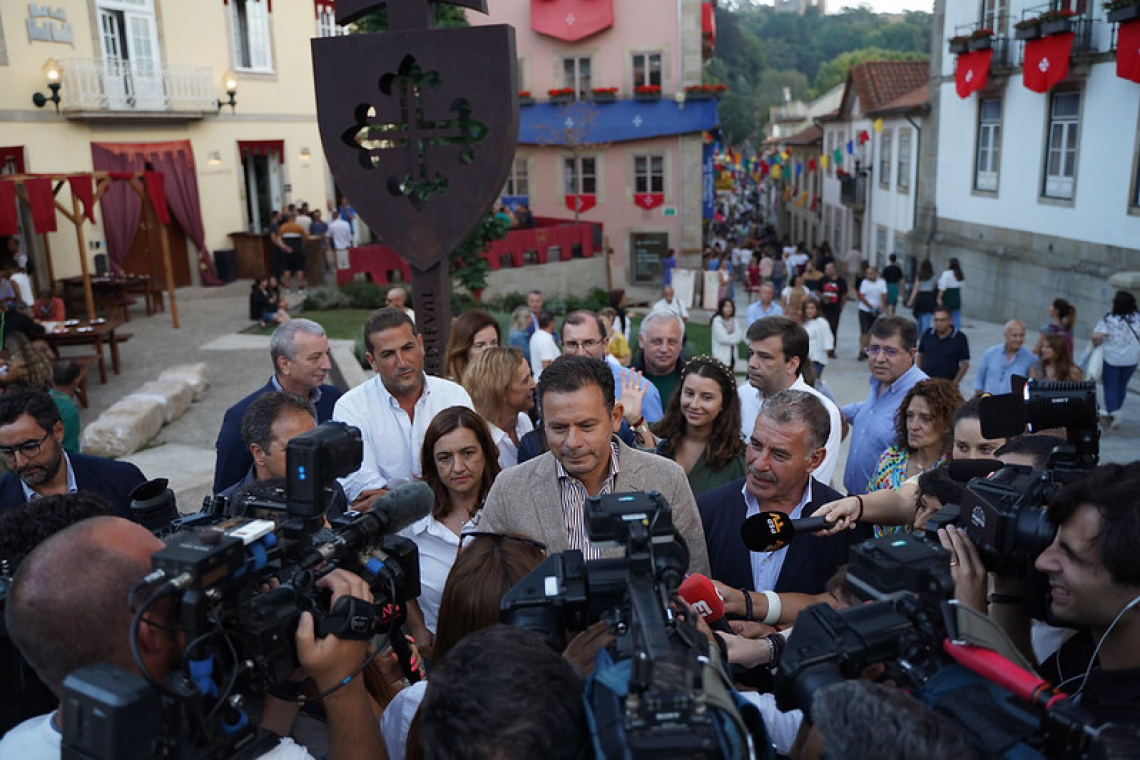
{"x":1015,"y":273}
{"x":557,"y":278}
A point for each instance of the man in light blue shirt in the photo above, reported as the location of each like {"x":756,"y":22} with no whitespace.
{"x":1001,"y":362}
{"x":584,"y":334}
{"x":890,"y":357}
{"x":766,"y":306}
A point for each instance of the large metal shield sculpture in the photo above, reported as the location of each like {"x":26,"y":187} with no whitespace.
{"x":419,"y":127}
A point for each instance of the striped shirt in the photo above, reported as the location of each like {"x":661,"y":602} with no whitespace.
{"x":573,"y":495}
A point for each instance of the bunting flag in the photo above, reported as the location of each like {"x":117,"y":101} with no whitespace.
{"x":815,"y":203}
{"x":799,"y":168}
{"x":649,"y":200}
{"x":157,"y":192}
{"x":802,"y":199}
{"x":837,"y":156}
{"x":824,"y":160}
{"x":763,"y":168}
{"x":8,"y":223}
{"x":42,"y":201}
{"x":850,"y":147}
{"x":84,"y":191}
{"x":777,"y":170}
{"x":877,"y":125}
{"x":812,"y":164}
{"x":583,"y":202}
{"x":972,"y":70}
{"x":863,"y":137}
{"x":788,"y":193}
{"x":1046,"y":61}
{"x":1128,"y":51}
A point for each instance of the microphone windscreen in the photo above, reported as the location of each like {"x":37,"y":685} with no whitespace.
{"x":767,"y":532}
{"x":1002,"y":416}
{"x":700,"y":592}
{"x":404,"y":505}
{"x":965,"y":470}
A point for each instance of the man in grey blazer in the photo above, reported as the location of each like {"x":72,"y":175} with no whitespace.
{"x":544,"y":498}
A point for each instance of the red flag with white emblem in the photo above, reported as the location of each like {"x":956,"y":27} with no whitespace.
{"x":649,"y":200}
{"x":584,"y":202}
{"x":973,"y":69}
{"x":1128,"y":51}
{"x":1046,"y":61}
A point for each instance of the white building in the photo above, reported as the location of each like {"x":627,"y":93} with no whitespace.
{"x":1037,"y":194}
{"x":868,"y":198}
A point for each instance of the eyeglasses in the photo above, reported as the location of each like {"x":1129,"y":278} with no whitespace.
{"x":886,"y":351}
{"x":30,"y":449}
{"x":500,"y":537}
{"x":573,"y":345}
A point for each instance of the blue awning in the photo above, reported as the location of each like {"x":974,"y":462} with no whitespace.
{"x":620,"y":121}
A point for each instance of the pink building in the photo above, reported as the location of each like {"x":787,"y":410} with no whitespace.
{"x":613,"y":121}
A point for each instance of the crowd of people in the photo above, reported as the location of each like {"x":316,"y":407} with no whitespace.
{"x":515,"y":437}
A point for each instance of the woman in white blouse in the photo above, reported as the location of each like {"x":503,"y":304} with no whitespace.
{"x":460,"y":462}
{"x":821,"y":341}
{"x":502,"y":391}
{"x":727,"y":334}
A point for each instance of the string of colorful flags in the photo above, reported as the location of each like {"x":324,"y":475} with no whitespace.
{"x":780,"y":164}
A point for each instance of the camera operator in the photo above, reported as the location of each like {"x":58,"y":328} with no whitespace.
{"x":68,"y":609}
{"x":1094,"y":586}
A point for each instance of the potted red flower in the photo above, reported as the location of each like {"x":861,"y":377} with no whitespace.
{"x":525,"y":98}
{"x":981,"y":39}
{"x":1057,"y":21}
{"x":959,"y":44}
{"x":1120,"y":11}
{"x":603,"y":94}
{"x":560,"y":95}
{"x":647,"y":92}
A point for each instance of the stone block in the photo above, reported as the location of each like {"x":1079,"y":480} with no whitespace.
{"x":124,"y":428}
{"x":174,"y":393}
{"x":197,"y":375}
{"x":1125,"y":281}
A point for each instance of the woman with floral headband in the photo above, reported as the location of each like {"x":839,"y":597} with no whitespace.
{"x":701,"y":427}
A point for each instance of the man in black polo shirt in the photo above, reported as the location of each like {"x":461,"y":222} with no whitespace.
{"x":942,"y":350}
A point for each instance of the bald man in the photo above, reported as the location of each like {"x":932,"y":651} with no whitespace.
{"x":1001,"y":362}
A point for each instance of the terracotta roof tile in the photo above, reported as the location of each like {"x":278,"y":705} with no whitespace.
{"x":809,"y":136}
{"x":879,"y":82}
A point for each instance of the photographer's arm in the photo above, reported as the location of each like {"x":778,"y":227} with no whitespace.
{"x":353,"y":731}
{"x":1008,"y":612}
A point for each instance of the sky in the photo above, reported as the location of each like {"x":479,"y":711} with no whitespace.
{"x":883,"y":6}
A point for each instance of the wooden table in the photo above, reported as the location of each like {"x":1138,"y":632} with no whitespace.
{"x":95,"y":334}
{"x":112,"y":292}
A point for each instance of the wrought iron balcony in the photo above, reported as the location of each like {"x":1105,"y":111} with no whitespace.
{"x":853,"y":190}
{"x":112,"y":88}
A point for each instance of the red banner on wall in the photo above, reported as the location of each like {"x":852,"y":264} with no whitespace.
{"x":1128,"y":51}
{"x":580,"y":203}
{"x":571,"y":20}
{"x":649,"y":200}
{"x":41,"y":200}
{"x":1046,"y":61}
{"x":972,"y":70}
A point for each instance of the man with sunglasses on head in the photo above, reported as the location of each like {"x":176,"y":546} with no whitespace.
{"x":31,"y":448}
{"x":891,"y":346}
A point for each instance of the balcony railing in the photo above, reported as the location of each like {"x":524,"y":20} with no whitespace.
{"x":111,"y":87}
{"x":853,"y":190}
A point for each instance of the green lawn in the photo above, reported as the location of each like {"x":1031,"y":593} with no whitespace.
{"x":348,"y":323}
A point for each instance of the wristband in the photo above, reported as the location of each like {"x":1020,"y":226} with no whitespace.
{"x":774,"y":608}
{"x":639,"y":423}
{"x":1005,"y":598}
{"x":776,"y":643}
{"x":747,"y":604}
{"x":859,"y":516}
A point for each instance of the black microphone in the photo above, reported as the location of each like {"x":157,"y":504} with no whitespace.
{"x":393,"y":511}
{"x":769,"y":531}
{"x":965,"y":470}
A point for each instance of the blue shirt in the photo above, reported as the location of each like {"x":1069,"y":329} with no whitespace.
{"x":651,"y":408}
{"x":873,"y":428}
{"x":996,"y":369}
{"x":757,"y":310}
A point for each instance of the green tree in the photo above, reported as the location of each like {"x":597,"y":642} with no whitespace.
{"x":834,"y":72}
{"x":446,"y":16}
{"x":466,"y":267}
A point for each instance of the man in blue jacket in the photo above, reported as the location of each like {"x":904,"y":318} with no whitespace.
{"x":31,"y":447}
{"x":301,"y":362}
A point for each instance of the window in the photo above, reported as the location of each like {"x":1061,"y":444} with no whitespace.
{"x":250,"y":22}
{"x":903,"y":181}
{"x":837,"y":230}
{"x":885,"y":158}
{"x":830,"y":151}
{"x":880,"y":243}
{"x":989,"y":145}
{"x":825,"y":225}
{"x":646,"y":69}
{"x":576,"y":75}
{"x":580,"y":175}
{"x":649,"y":174}
{"x":995,"y":16}
{"x":1061,"y":153}
{"x":518,"y":182}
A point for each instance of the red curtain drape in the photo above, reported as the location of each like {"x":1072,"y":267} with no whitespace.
{"x":121,"y":205}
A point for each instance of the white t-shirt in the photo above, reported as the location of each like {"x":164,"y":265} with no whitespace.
{"x":438,"y":547}
{"x":948,"y":280}
{"x":23,"y":287}
{"x":340,"y":232}
{"x":874,"y":292}
{"x":677,"y":307}
{"x":508,"y":451}
{"x":37,"y":739}
{"x":542,"y":349}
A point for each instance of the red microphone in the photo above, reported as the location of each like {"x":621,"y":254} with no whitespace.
{"x":704,"y":597}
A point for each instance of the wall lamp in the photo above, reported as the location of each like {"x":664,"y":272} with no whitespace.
{"x":229,"y":82}
{"x":52,"y":72}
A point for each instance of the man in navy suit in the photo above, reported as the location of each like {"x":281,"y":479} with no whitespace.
{"x":301,"y":362}
{"x":786,"y":447}
{"x":31,"y":447}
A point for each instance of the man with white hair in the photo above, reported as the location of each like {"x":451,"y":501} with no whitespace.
{"x":660,"y":338}
{"x":1001,"y":362}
